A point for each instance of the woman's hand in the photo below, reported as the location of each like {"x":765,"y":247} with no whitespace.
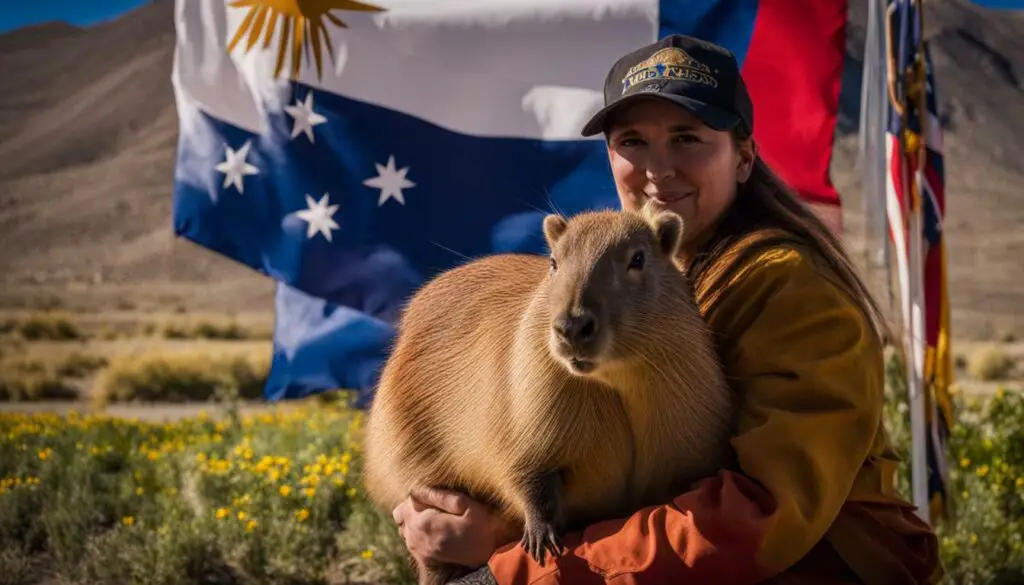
{"x":445,"y":527}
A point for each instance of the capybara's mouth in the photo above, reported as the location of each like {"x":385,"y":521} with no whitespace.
{"x":582,"y":366}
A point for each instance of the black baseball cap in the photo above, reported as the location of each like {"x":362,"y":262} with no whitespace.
{"x":698,"y":75}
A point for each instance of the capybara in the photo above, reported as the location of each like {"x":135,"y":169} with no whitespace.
{"x":561,"y":390}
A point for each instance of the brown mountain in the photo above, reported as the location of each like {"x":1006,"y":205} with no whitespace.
{"x":88,"y":131}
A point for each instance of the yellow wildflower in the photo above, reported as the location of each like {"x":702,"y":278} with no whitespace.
{"x":309,"y":492}
{"x":285,"y":490}
{"x":242,"y":515}
{"x":965,"y":462}
{"x":366,"y":554}
{"x":982,"y":471}
{"x":128,"y":520}
{"x":222,"y":513}
{"x":302,"y":515}
{"x":250,"y":526}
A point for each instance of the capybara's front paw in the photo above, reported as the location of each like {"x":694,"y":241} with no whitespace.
{"x":540,"y":536}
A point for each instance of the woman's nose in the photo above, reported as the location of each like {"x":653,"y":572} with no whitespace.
{"x":659,"y":166}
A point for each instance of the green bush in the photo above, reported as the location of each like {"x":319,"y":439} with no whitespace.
{"x":269,"y":498}
{"x":982,"y":534}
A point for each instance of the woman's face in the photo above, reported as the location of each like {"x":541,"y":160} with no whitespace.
{"x":661,"y":152}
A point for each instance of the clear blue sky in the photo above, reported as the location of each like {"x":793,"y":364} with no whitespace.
{"x":18,"y":13}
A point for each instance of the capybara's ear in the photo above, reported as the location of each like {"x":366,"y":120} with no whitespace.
{"x":668,"y":232}
{"x":554,"y":227}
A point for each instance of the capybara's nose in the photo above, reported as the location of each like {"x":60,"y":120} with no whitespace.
{"x":576,"y":328}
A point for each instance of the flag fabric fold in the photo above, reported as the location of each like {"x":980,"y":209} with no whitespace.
{"x":352,"y":163}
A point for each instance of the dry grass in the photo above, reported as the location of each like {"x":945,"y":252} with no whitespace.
{"x":119,"y":356}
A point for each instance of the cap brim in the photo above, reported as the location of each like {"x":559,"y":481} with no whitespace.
{"x":713,"y":116}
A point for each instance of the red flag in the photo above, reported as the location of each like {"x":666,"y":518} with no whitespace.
{"x":793,"y":71}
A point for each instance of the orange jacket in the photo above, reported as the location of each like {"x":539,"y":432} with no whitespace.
{"x":816,"y":470}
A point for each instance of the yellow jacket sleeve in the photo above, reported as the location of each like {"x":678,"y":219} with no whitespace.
{"x":809,"y":370}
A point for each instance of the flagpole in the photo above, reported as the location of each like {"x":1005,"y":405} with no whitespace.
{"x":919,"y":419}
{"x":872,"y":150}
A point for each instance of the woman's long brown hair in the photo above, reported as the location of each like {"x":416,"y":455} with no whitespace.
{"x":765,"y":201}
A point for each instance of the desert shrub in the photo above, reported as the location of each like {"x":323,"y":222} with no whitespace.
{"x":24,"y":379}
{"x":47,"y":326}
{"x":78,"y":364}
{"x":180,"y":376}
{"x":203,"y":329}
{"x":991,"y":363}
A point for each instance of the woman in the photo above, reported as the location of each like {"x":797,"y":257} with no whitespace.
{"x":813,"y":498}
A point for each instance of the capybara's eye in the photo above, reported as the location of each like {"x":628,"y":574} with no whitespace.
{"x":554,"y":265}
{"x":637,"y":262}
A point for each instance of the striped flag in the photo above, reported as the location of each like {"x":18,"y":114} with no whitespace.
{"x":916,"y":211}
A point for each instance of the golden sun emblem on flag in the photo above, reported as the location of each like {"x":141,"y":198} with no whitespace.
{"x":302,"y":27}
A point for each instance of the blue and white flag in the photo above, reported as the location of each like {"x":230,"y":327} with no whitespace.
{"x":352,"y":151}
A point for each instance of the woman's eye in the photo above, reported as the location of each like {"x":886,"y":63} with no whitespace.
{"x":637,"y":261}
{"x":687,"y":138}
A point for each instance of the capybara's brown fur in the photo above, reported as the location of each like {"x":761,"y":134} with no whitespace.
{"x":563,"y":391}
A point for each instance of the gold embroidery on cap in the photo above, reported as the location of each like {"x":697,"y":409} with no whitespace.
{"x":671,"y":63}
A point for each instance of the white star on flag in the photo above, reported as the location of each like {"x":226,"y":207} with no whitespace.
{"x":390,"y":181}
{"x":234,"y":166}
{"x":305,"y":117}
{"x":319,"y":217}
